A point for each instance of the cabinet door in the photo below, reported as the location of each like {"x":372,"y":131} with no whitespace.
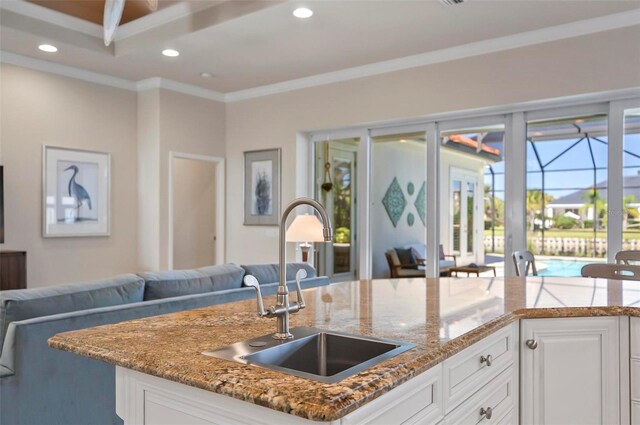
{"x":572,"y":375}
{"x":635,"y":370}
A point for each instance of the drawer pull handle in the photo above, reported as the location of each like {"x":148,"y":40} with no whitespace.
{"x":487,"y":413}
{"x":532,"y":343}
{"x":488,"y":360}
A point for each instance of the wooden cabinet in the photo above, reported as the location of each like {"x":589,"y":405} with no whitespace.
{"x":570,"y":371}
{"x":635,"y":370}
{"x":13,"y":270}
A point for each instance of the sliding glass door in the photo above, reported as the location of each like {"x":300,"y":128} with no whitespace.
{"x":567,"y":191}
{"x":472,"y":193}
{"x":336,"y":188}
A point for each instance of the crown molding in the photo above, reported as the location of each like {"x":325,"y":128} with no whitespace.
{"x":529,"y":38}
{"x":163,"y":83}
{"x":108,"y":80}
{"x":35,"y":11}
{"x":65,"y":70}
{"x":559,"y":32}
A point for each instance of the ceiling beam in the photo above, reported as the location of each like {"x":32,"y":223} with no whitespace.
{"x":200,"y":20}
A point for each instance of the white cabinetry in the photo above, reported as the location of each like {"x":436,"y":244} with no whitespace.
{"x":474,"y":386}
{"x":570,"y":371}
{"x":635,"y":370}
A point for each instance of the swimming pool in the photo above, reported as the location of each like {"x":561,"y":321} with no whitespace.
{"x":562,"y":267}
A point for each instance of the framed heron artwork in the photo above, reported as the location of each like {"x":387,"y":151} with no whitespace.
{"x":262,"y":187}
{"x":76,"y":193}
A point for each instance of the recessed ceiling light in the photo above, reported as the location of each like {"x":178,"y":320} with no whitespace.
{"x":48,"y":48}
{"x":303,"y":13}
{"x":171,"y":53}
{"x":206,"y":74}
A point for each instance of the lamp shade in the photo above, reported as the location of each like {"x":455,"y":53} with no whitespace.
{"x":305,"y":228}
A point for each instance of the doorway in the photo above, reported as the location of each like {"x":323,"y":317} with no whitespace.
{"x":196,"y":211}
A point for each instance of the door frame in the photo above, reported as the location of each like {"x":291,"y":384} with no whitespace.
{"x":219,"y":200}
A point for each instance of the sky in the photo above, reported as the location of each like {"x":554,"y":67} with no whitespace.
{"x":560,"y":183}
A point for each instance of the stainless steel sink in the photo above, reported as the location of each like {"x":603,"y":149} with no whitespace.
{"x":323,"y":356}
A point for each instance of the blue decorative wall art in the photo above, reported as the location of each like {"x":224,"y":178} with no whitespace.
{"x":394,"y":202}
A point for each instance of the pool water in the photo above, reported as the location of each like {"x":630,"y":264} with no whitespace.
{"x":553,"y":267}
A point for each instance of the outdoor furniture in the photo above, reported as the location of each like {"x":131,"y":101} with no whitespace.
{"x":399,"y":269}
{"x":477,"y":269}
{"x":612,"y":271}
{"x":445,"y":261}
{"x":628,"y":257}
{"x":524,"y":261}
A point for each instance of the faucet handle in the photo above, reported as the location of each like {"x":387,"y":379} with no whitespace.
{"x":253,"y":282}
{"x":300,"y":274}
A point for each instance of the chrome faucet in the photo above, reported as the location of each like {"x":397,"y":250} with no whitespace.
{"x":283,"y":307}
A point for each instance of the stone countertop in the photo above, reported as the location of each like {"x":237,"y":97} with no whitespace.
{"x":441,"y":316}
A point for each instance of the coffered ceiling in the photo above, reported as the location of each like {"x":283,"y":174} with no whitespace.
{"x":244,"y":44}
{"x":93,"y":10}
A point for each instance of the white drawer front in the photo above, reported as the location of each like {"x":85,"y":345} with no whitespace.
{"x":499,"y":396}
{"x":415,"y":400}
{"x":466,"y":372}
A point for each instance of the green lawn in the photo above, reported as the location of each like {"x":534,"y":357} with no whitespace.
{"x":571,"y":233}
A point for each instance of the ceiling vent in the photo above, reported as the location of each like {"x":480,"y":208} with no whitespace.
{"x":451,"y":2}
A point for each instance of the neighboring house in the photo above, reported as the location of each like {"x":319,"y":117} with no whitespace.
{"x":573,"y":204}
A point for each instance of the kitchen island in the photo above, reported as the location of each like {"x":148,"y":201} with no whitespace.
{"x":453,"y":323}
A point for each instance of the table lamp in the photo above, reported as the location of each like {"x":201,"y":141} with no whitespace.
{"x":305,"y":228}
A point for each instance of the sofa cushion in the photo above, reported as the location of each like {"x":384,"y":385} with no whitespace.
{"x":406,"y":256}
{"x":22,"y":304}
{"x":269,"y":273}
{"x":174,"y":283}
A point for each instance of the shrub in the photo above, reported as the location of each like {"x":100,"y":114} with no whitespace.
{"x":566,"y":222}
{"x":343,"y":235}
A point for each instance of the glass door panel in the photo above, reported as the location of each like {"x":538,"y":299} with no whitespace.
{"x":336,"y":189}
{"x":631,"y":181}
{"x":566,"y":198}
{"x":470,"y":207}
{"x":456,"y":193}
{"x":472,"y":195}
{"x":398,"y":206}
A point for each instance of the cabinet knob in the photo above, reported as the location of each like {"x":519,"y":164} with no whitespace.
{"x":532,"y":343}
{"x":486,"y":359}
{"x":487,"y":413}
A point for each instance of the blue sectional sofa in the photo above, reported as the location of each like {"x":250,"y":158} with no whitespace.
{"x":40,"y":385}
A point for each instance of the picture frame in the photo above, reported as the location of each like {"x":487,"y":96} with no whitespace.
{"x":76,"y":192}
{"x":262,"y":188}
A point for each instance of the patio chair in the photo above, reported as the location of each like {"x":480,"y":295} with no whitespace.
{"x":627,"y":257}
{"x":611,"y":271}
{"x":399,"y":270}
{"x":524,"y":261}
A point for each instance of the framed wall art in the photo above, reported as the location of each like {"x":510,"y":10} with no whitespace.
{"x":262,"y":187}
{"x":76,"y":192}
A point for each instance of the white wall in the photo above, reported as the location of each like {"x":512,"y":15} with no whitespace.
{"x":37,"y":109}
{"x":194,"y":213}
{"x":586,"y":64}
{"x":185,"y":124}
{"x":138,"y":129}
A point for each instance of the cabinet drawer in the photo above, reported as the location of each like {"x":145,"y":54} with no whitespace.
{"x":499,"y":396}
{"x":414,"y":402}
{"x":635,"y":413}
{"x":468,"y":371}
